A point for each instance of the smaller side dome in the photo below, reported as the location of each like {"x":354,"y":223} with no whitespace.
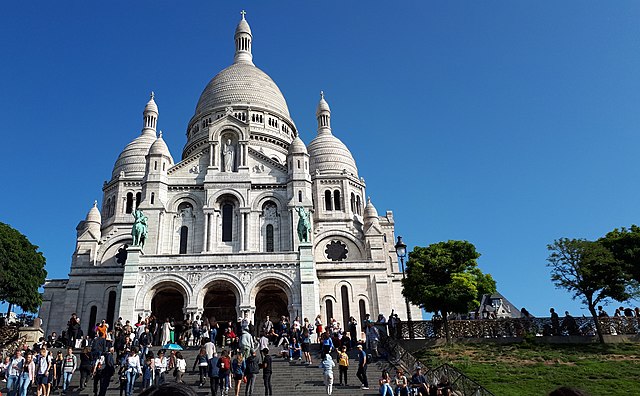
{"x":370,"y":211}
{"x":297,"y":147}
{"x":94,"y":214}
{"x":159,"y":147}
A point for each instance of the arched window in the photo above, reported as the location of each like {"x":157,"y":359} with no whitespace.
{"x":358,"y":205}
{"x":227,"y":222}
{"x":184,"y":235}
{"x":353,"y":203}
{"x":138,"y":199}
{"x":155,"y":165}
{"x":129,"y":206}
{"x":92,"y":319}
{"x":107,"y":208}
{"x":327,"y":200}
{"x":112,"y":211}
{"x":269,"y":236}
{"x":153,"y":196}
{"x":363,"y":311}
{"x":299,"y":196}
{"x":346,"y":314}
{"x":329,"y":308}
{"x":336,"y":200}
{"x":111,"y":308}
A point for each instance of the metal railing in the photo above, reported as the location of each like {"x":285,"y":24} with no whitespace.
{"x":460,"y":384}
{"x":499,"y":328}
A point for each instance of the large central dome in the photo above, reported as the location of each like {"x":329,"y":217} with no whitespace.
{"x":242,"y":84}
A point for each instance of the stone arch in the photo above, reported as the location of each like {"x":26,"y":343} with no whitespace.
{"x":194,"y":200}
{"x":260,"y":200}
{"x":104,"y":248}
{"x":150,"y":288}
{"x":356,"y":247}
{"x":273,"y":278}
{"x":216,"y":134}
{"x":213,"y":199}
{"x":338,"y":286}
{"x":226,"y":294}
{"x":236,"y":286}
{"x":271,"y":296}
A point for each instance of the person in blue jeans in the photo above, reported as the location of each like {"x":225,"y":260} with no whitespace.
{"x":28,"y":375}
{"x":134,"y":369}
{"x":362,"y":368}
{"x":14,"y":372}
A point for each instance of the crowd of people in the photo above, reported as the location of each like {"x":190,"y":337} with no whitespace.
{"x":231,"y":355}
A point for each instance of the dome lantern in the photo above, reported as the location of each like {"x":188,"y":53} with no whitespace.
{"x":243,"y":42}
{"x":323,"y":114}
{"x":150,"y":114}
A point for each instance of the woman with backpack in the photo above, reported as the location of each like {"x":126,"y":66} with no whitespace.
{"x":202,"y":364}
{"x":224,"y":366}
{"x":85,"y":367}
{"x":69,"y":365}
{"x":238,"y":367}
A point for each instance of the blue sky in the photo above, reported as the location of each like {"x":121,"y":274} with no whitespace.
{"x":507,"y":124}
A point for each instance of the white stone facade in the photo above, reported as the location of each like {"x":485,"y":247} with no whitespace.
{"x":222,"y":228}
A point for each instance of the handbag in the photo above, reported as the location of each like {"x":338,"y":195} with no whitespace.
{"x":244,"y":379}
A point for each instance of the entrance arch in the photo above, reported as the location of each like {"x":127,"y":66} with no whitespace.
{"x":271,"y":300}
{"x":168,"y":302}
{"x":221,"y":302}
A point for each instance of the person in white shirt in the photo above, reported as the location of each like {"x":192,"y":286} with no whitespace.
{"x":181,"y":368}
{"x":14,"y":371}
{"x":133,"y":369}
{"x":160,"y":364}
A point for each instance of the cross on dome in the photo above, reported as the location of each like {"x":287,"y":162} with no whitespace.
{"x":152,"y":95}
{"x":321,"y":94}
{"x":243,"y":13}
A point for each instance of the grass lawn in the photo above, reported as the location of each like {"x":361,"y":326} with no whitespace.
{"x":534,"y":369}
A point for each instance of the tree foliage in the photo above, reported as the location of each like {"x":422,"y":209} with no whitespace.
{"x":21,"y":270}
{"x":443,"y":278}
{"x":589,"y":271}
{"x":624,"y":244}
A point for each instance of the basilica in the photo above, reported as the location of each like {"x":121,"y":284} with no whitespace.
{"x":222,"y":222}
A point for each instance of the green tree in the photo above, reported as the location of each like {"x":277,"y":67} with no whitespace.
{"x":589,"y":271}
{"x":624,"y":243}
{"x":443,"y":278}
{"x":21,"y":270}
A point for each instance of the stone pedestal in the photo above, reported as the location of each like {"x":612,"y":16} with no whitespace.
{"x":32,"y":334}
{"x":128,"y":285}
{"x":309,"y":285}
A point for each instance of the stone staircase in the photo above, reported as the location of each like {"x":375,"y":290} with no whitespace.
{"x":287,"y":377}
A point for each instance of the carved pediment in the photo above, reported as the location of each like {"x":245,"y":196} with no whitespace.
{"x":261,"y":164}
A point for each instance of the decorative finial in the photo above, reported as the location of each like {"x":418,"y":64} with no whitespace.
{"x":160,"y":137}
{"x":369,"y":199}
{"x":152,"y":95}
{"x":95,"y":203}
{"x":321,"y":94}
{"x":243,"y":13}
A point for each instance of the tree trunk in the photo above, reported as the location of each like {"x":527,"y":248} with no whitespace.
{"x":597,"y":322}
{"x":446,"y":327}
{"x":9,"y":308}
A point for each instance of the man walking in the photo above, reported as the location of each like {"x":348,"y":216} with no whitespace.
{"x":362,"y":368}
{"x":14,"y":371}
{"x":266,"y":371}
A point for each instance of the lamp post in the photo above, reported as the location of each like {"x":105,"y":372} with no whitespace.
{"x":401,"y":251}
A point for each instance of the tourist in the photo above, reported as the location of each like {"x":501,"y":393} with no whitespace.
{"x":144,"y":342}
{"x":57,"y":376}
{"x":373,"y":337}
{"x":327,"y":344}
{"x":14,"y":372}
{"x":85,"y":367}
{"x":238,"y":367}
{"x":327,"y":367}
{"x":73,"y":325}
{"x":98,"y":369}
{"x":385,"y":384}
{"x":343,"y":366}
{"x":419,"y":382}
{"x":401,"y":383}
{"x":160,"y":367}
{"x":318,"y":324}
{"x":166,"y":332}
{"x":133,"y":368}
{"x":180,"y":367}
{"x":101,"y":329}
{"x":69,"y":366}
{"x":44,"y":369}
{"x":246,"y":343}
{"x":213,"y":371}
{"x":267,"y":371}
{"x":295,"y":349}
{"x":263,"y":342}
{"x":267,"y":326}
{"x":225,"y":369}
{"x":362,"y":368}
{"x":209,"y":347}
{"x":569,"y":324}
{"x":202,"y":362}
{"x":28,"y":375}
{"x":253,"y":368}
{"x":555,"y":322}
{"x":352,"y":326}
{"x":148,"y":370}
{"x":306,"y":345}
{"x":213,"y":329}
{"x":109,"y":370}
{"x":444,"y":387}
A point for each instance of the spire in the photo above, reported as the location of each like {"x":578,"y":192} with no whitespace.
{"x":243,"y":42}
{"x":323,"y":114}
{"x":150,"y":115}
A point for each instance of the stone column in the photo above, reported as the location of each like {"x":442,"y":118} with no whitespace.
{"x":205,"y":242}
{"x":127,"y":287}
{"x":309,"y":284}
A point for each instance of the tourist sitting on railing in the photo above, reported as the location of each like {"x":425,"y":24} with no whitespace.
{"x":385,"y":384}
{"x":444,"y":387}
{"x":569,"y":324}
{"x":419,"y":383}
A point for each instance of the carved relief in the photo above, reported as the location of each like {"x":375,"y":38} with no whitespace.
{"x":245,"y":277}
{"x":194,"y":277}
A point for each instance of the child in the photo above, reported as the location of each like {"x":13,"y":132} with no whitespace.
{"x":343,"y":365}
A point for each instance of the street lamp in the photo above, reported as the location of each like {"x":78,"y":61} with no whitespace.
{"x":401,"y":251}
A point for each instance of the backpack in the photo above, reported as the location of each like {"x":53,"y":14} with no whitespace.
{"x":369,"y":358}
{"x":253,"y":367}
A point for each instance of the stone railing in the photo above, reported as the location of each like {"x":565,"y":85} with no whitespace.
{"x":461,"y":385}
{"x":499,"y":328}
